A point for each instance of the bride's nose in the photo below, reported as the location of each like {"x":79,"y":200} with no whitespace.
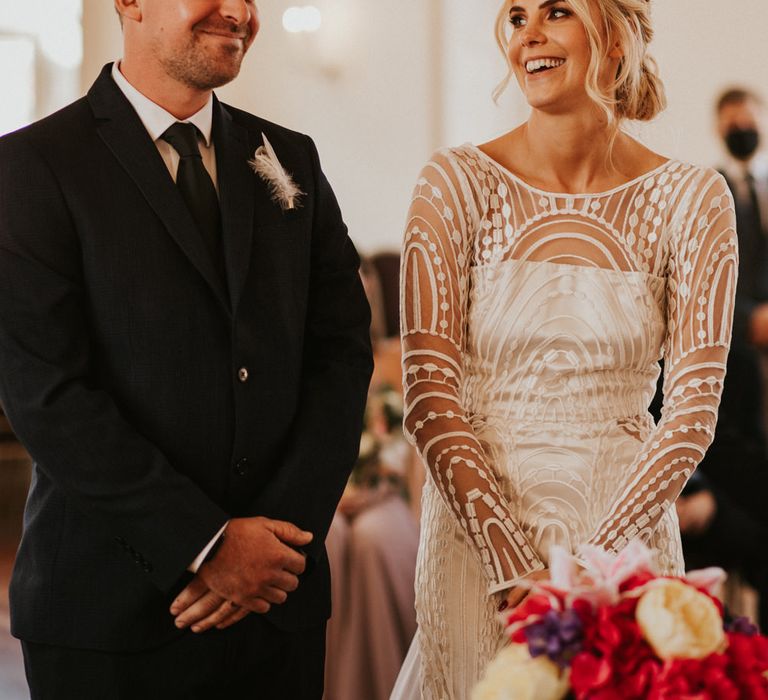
{"x":532,"y":36}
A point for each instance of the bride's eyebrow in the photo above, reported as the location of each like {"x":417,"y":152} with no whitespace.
{"x":543,"y":6}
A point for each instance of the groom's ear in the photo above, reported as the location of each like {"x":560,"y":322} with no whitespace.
{"x":128,"y":10}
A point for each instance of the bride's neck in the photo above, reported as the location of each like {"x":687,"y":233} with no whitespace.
{"x":571,"y":150}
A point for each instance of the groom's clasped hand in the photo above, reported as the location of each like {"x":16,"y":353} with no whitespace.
{"x":257,"y":566}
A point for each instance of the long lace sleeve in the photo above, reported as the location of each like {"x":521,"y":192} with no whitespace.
{"x":701,"y":285}
{"x":437,"y":254}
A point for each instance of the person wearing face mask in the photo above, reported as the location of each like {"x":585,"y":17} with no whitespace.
{"x":739,"y":123}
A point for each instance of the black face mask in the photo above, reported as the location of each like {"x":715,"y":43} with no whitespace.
{"x":742,"y":143}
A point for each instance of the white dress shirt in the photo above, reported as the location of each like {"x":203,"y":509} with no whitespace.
{"x":156,"y":120}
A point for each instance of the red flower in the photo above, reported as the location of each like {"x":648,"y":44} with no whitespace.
{"x":532,"y":606}
{"x":747,"y":664}
{"x":736,"y":674}
{"x":617,"y":663}
{"x":636,"y":581}
{"x":695,"y":679}
{"x":617,"y":666}
{"x":589,"y":672}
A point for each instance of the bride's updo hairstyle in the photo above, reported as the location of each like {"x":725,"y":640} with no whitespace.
{"x":637,"y":91}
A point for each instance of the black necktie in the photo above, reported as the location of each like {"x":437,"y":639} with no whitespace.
{"x":755,"y":247}
{"x":197,"y":188}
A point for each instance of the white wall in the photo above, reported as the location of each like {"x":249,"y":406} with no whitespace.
{"x":362,"y":87}
{"x":385,"y":82}
{"x":54,"y":30}
{"x":701,"y":46}
{"x":472,"y":67}
{"x":102,"y":41}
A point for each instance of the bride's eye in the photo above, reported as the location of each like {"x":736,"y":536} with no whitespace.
{"x":517,"y":20}
{"x":559,"y":13}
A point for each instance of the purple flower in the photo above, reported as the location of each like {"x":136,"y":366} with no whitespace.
{"x":558,"y":635}
{"x":741,"y":625}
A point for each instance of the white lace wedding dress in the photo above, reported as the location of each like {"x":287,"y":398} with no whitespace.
{"x":532,"y":327}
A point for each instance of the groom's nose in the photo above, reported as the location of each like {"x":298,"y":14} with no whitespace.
{"x":238,"y":11}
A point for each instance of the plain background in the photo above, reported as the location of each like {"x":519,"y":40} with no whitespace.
{"x":382,"y":84}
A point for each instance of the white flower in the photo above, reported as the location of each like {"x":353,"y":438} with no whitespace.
{"x":678,"y":621}
{"x":514,"y":675}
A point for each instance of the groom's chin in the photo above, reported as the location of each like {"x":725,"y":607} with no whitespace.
{"x":211,"y":77}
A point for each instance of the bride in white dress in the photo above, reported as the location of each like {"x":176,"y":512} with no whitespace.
{"x":545,"y":274}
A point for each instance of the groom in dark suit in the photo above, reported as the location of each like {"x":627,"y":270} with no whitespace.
{"x":184,"y":352}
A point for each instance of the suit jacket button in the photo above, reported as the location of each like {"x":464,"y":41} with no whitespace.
{"x":242,"y":374}
{"x":147,"y":567}
{"x":241,"y":468}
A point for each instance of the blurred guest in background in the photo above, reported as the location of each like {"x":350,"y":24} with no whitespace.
{"x":374,"y":537}
{"x":722,"y":512}
{"x":739,"y":122}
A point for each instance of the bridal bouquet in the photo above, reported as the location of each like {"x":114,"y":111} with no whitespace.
{"x":608,"y":627}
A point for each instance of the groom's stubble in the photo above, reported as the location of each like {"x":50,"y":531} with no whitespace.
{"x":205,"y":62}
{"x":197,"y":44}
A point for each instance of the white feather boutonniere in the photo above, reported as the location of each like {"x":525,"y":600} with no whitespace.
{"x":282,"y":188}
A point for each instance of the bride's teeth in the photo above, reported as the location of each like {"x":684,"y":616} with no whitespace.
{"x":539,"y":63}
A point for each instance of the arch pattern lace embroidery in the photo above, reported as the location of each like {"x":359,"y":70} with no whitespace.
{"x":482,"y":249}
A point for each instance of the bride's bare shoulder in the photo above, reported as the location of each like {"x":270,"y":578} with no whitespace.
{"x":500,"y":148}
{"x":635,"y":158}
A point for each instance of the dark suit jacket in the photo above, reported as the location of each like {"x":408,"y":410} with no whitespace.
{"x":120,"y":350}
{"x":752,"y":288}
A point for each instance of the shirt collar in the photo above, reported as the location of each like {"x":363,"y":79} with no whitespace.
{"x":155,"y":119}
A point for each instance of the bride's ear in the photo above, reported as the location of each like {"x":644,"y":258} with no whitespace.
{"x":616,"y":51}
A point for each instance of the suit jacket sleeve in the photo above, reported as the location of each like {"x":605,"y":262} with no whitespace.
{"x":336,"y":369}
{"x":71,"y":426}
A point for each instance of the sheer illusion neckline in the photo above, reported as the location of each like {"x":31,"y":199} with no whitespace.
{"x":570,"y":195}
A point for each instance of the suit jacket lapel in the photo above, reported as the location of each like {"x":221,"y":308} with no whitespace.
{"x":237,"y":193}
{"x":122,"y":131}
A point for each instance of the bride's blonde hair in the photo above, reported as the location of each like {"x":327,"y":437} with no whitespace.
{"x":637,"y":91}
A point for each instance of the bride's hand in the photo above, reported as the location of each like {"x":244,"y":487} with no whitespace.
{"x":518,"y":594}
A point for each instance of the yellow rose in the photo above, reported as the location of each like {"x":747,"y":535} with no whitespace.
{"x":514,"y":675}
{"x":678,"y":621}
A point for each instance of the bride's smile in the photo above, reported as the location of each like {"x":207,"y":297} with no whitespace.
{"x":549,"y":53}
